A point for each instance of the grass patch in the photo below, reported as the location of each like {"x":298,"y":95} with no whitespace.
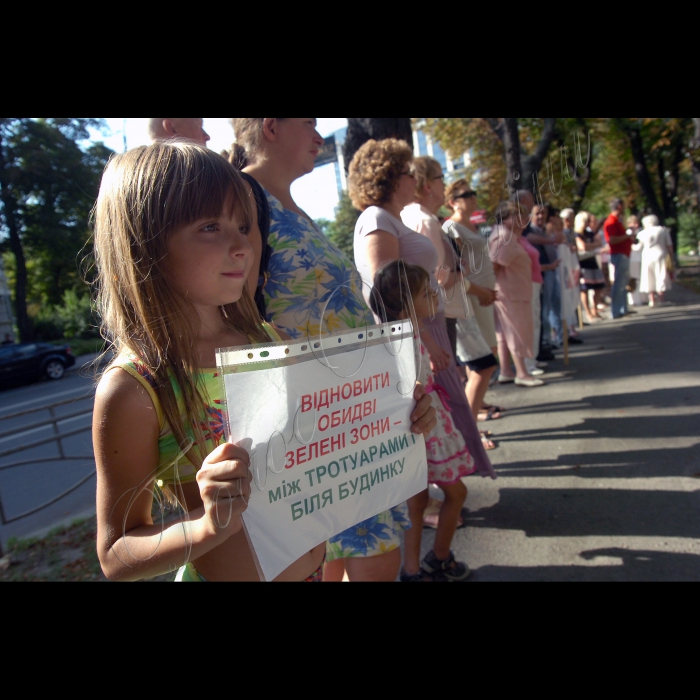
{"x":65,"y":554}
{"x":81,"y":346}
{"x":689,"y":273}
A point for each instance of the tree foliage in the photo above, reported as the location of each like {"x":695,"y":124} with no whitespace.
{"x":48,"y":186}
{"x":661,"y":151}
{"x":652,"y":163}
{"x":549,"y":156}
{"x":342,"y":231}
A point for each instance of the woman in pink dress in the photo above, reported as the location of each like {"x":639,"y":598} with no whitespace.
{"x":514,"y":320}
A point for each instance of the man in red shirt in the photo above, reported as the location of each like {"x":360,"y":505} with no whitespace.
{"x":620,"y":251}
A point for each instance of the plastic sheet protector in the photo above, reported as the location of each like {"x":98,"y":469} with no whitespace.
{"x":327,"y":425}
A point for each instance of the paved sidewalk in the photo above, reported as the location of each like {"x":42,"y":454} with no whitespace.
{"x":599,"y":470}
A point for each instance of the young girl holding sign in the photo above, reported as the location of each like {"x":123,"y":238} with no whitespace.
{"x":449,"y":459}
{"x":173,"y":256}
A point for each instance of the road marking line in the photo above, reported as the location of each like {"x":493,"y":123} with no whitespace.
{"x":45,"y":399}
{"x":49,"y":427}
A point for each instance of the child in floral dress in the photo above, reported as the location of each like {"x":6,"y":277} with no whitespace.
{"x":449,"y":459}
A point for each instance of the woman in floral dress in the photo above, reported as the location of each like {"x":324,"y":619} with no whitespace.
{"x":313,"y":287}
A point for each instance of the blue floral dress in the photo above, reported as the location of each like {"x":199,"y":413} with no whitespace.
{"x":313,"y":287}
{"x":311,"y":282}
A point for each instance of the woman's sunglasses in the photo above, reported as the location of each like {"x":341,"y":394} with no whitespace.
{"x":466,"y":195}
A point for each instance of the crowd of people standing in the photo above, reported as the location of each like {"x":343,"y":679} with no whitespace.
{"x":482,"y":305}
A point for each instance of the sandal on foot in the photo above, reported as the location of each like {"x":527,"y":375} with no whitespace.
{"x":495,"y":409}
{"x":488,"y":444}
{"x":489,"y":414}
{"x":432,"y":521}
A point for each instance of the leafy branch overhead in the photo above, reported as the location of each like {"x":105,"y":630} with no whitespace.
{"x":653,"y":163}
{"x":48,"y":185}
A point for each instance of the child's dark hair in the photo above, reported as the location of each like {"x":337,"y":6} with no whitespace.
{"x":390,"y":297}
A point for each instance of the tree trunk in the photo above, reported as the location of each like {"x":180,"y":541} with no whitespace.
{"x":24,"y":323}
{"x":696,"y":180}
{"x":669,"y":188}
{"x":695,"y":145}
{"x":533,"y":164}
{"x":511,"y":143}
{"x":696,"y":140}
{"x":640,"y":167}
{"x":362,"y":130}
{"x":573,"y":161}
{"x":522,"y":170}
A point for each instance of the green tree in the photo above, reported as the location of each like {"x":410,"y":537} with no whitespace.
{"x":342,"y":231}
{"x":48,"y":186}
{"x":688,"y":232}
{"x":660,"y":149}
{"x":549,"y":156}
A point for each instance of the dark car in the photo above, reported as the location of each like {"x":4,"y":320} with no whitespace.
{"x":28,"y":362}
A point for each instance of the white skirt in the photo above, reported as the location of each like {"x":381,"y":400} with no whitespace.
{"x":655,"y":278}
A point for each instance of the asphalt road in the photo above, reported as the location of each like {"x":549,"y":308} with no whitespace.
{"x":598,"y":472}
{"x":26,"y":487}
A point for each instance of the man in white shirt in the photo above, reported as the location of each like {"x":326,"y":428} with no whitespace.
{"x":160,"y":128}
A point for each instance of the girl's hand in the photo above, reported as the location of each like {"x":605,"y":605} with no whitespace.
{"x":440,"y":361}
{"x":424,"y":416}
{"x":485,"y":296}
{"x":224,"y":485}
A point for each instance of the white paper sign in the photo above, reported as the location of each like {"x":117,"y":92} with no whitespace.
{"x":330,"y":425}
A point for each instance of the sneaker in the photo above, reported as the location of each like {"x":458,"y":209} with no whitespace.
{"x":575,"y":341}
{"x":536,"y":372}
{"x":449,"y":568}
{"x":529,"y":383}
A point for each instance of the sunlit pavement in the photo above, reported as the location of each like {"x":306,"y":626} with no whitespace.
{"x":598,"y":471}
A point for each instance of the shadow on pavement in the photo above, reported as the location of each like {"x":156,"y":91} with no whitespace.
{"x":639,"y":464}
{"x":580,"y":512}
{"x":634,"y":565}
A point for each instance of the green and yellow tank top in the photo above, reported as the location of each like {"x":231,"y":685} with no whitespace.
{"x":173,"y":466}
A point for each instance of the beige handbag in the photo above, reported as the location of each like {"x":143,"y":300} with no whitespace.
{"x":456,"y":305}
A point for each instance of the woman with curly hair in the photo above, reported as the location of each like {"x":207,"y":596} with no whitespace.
{"x":304,"y":272}
{"x":382,"y":184}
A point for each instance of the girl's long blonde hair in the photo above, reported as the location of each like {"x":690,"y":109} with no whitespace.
{"x":581,"y":222}
{"x":145,"y":196}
